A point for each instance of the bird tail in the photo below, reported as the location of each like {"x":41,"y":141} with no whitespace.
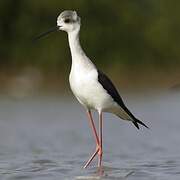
{"x":136,"y":122}
{"x":127,"y":115}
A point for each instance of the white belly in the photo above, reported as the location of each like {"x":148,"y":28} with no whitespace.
{"x":89,"y":91}
{"x":91,"y":94}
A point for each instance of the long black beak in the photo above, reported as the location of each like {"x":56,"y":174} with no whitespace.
{"x":46,"y":33}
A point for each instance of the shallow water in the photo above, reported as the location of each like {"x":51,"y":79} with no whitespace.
{"x":49,"y":138}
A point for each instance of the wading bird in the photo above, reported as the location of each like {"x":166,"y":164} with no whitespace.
{"x":92,"y":88}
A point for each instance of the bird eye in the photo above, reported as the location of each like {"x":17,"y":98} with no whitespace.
{"x":67,"y":20}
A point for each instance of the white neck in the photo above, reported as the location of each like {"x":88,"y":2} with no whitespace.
{"x":79,"y":58}
{"x":74,"y":44}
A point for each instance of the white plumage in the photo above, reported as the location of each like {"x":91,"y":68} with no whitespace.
{"x":92,"y":88}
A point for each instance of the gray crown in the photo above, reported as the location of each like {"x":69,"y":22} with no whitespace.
{"x":68,"y":14}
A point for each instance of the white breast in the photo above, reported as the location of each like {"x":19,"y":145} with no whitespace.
{"x":85,"y":86}
{"x":84,"y":78}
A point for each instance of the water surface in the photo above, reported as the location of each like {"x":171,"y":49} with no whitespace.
{"x":49,"y":138}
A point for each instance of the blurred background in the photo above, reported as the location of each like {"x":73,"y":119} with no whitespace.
{"x":44,"y":133}
{"x":135,"y":42}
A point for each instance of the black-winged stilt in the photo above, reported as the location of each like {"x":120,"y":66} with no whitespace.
{"x":92,"y":88}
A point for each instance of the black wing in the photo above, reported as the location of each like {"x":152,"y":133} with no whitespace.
{"x":112,"y":91}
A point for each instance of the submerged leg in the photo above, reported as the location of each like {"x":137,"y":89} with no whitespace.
{"x":95,"y":136}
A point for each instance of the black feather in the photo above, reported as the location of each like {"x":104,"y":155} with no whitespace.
{"x":110,"y":88}
{"x":136,"y":124}
{"x":112,"y":91}
{"x":140,"y":122}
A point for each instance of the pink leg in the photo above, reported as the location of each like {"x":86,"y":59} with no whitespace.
{"x":93,"y":126}
{"x":95,"y":136}
{"x":100,"y":152}
{"x":91,"y":158}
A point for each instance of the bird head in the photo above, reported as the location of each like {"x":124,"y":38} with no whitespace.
{"x":68,"y":21}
